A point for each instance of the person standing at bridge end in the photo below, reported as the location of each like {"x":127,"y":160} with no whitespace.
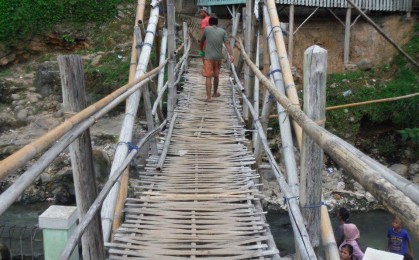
{"x":214,"y":37}
{"x":398,"y":238}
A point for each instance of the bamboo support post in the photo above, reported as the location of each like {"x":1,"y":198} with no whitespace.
{"x":291,"y":34}
{"x":256,"y":91}
{"x":315,"y":73}
{"x":236,"y":21}
{"x":84,"y":222}
{"x":171,"y":42}
{"x":301,"y":237}
{"x":163,"y":154}
{"x":73,"y":89}
{"x":382,"y":33}
{"x":108,"y":207}
{"x":283,"y":119}
{"x":248,"y":45}
{"x":123,"y":190}
{"x":163,"y":49}
{"x":285,"y":65}
{"x":327,"y":236}
{"x":397,"y":204}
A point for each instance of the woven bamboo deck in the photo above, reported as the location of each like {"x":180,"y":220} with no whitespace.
{"x":204,"y":202}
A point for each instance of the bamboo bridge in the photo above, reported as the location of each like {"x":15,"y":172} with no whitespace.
{"x":199,"y":194}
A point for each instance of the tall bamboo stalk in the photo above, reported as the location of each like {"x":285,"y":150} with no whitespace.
{"x":285,"y":65}
{"x":171,"y":46}
{"x":125,"y":136}
{"x":283,"y":119}
{"x":393,"y":199}
{"x":163,"y":49}
{"x":123,"y":191}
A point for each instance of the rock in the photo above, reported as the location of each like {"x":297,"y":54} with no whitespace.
{"x":351,"y":67}
{"x":400,"y":169}
{"x":15,"y":96}
{"x":413,"y":169}
{"x":33,"y":98}
{"x":364,"y":65}
{"x":47,"y":78}
{"x":59,"y":113}
{"x":22,"y":115}
{"x":45,"y":178}
{"x":96,"y":60}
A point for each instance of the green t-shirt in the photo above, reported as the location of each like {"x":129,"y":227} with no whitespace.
{"x":215,"y":37}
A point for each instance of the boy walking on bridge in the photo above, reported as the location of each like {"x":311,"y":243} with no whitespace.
{"x":214,"y":37}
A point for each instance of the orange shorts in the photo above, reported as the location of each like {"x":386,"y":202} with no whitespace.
{"x":211,"y":68}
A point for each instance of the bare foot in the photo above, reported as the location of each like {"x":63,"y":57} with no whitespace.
{"x":208,"y":100}
{"x":216,"y":94}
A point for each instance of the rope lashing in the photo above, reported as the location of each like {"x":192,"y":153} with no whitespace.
{"x":148,"y":31}
{"x":131,"y":146}
{"x":276,"y":26}
{"x":290,"y":198}
{"x":141,"y":45}
{"x":273,"y":71}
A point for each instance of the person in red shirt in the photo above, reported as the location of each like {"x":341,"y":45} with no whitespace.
{"x":204,"y":23}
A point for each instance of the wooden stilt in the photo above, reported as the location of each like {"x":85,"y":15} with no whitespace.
{"x":72,"y":81}
{"x":171,"y":53}
{"x":315,"y":73}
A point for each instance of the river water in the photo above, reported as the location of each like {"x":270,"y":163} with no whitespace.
{"x":373,"y":226}
{"x":25,"y":239}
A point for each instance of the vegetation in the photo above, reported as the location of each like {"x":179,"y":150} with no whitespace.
{"x":23,"y":18}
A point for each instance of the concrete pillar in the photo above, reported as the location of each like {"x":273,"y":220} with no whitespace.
{"x":58,"y":223}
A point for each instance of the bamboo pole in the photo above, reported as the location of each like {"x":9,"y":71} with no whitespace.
{"x":163,"y":154}
{"x":75,"y":237}
{"x":28,"y":177}
{"x":73,"y":89}
{"x":291,"y":34}
{"x":163,"y":49}
{"x":19,"y":158}
{"x":236,"y":21}
{"x":301,"y":237}
{"x":285,"y":65}
{"x":395,"y":45}
{"x":283,"y":119}
{"x":108,"y":207}
{"x":394,"y":200}
{"x":248,"y":45}
{"x":171,"y":41}
{"x":371,"y":102}
{"x":328,"y":238}
{"x":376,"y":101}
{"x":123,"y":191}
{"x":315,"y":73}
{"x":256,"y":92}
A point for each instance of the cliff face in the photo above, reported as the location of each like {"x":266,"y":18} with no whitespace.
{"x":366,"y":44}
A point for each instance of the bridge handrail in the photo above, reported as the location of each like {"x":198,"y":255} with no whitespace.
{"x":397,"y":203}
{"x":16,"y":189}
{"x":29,"y":151}
{"x":84,"y":222}
{"x":300,"y":232}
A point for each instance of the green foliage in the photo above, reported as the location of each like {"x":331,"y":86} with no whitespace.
{"x":19,"y":19}
{"x":389,"y":80}
{"x":410,"y":133}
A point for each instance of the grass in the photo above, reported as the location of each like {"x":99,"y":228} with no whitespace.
{"x":388,"y":80}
